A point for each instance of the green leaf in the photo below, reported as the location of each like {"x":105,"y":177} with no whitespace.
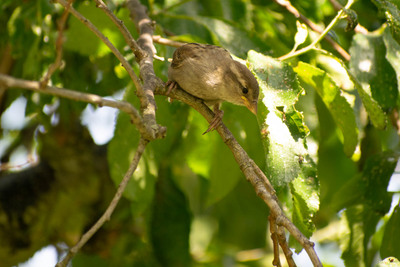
{"x":224,"y":34}
{"x":390,"y":243}
{"x":305,"y":193}
{"x":376,"y":175}
{"x":282,"y":127}
{"x":89,"y":44}
{"x":391,"y":10}
{"x":370,"y":67}
{"x":352,"y":243}
{"x":392,"y":53}
{"x":170,"y":222}
{"x":338,"y":106}
{"x":209,"y":157}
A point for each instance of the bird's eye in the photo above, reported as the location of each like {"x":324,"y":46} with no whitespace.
{"x":245,"y":90}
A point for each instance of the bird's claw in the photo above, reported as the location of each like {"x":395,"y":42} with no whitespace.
{"x":217,"y":120}
{"x":171,"y":85}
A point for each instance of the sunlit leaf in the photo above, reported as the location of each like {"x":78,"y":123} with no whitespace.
{"x":281,"y":126}
{"x":389,"y":262}
{"x":305,"y":193}
{"x":335,"y":102}
{"x":301,"y":34}
{"x":391,"y":10}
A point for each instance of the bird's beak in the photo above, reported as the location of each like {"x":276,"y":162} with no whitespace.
{"x":252,"y":106}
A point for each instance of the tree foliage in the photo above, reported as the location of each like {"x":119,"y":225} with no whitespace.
{"x":326,"y":134}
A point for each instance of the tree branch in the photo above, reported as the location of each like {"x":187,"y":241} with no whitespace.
{"x":251,"y":171}
{"x":110,"y":209}
{"x":11,"y":82}
{"x":164,"y":41}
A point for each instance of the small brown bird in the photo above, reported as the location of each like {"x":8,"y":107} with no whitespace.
{"x":210,"y":73}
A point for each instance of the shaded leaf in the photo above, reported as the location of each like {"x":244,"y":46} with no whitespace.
{"x":89,"y":44}
{"x":392,"y":53}
{"x":390,"y":240}
{"x":170,"y":222}
{"x":376,"y":175}
{"x":225,"y":34}
{"x":370,"y":67}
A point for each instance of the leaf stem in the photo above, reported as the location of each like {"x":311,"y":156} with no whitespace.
{"x":320,"y":37}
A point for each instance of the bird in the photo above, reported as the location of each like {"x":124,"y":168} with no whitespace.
{"x":210,"y":73}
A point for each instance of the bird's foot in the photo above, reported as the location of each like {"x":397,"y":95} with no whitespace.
{"x":171,"y":85}
{"x":217,"y":120}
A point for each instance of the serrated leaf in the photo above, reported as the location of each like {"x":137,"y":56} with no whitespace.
{"x":391,"y":10}
{"x":338,"y":106}
{"x":281,"y":129}
{"x":370,"y":67}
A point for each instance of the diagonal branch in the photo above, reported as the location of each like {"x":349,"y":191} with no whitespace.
{"x":104,"y":39}
{"x":110,"y":209}
{"x":251,"y":171}
{"x":139,"y":53}
{"x":59,"y":49}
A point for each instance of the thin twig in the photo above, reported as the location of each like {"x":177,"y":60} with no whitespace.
{"x":110,"y":209}
{"x":105,"y":40}
{"x":285,"y":246}
{"x":11,"y":82}
{"x":251,"y":172}
{"x":275,"y":243}
{"x":164,"y":41}
{"x":320,"y":37}
{"x":59,"y":49}
{"x":139,"y":53}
